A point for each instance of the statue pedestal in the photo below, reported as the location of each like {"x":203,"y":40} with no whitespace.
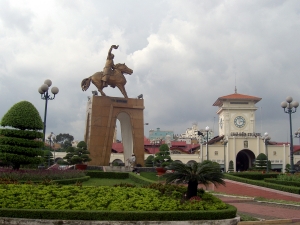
{"x":102,"y":113}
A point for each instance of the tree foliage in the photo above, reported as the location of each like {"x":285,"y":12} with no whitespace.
{"x":149,"y":161}
{"x":78,"y":155}
{"x":23,"y":116}
{"x":21,"y":146}
{"x":261,"y":162}
{"x":65,"y":140}
{"x":197,"y":173}
{"x":163,"y":156}
{"x":231,"y":168}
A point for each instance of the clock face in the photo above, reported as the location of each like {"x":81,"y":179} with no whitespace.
{"x":239,"y":121}
{"x":221,"y":123}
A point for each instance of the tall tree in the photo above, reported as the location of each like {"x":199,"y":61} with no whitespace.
{"x":197,"y":173}
{"x":65,"y":140}
{"x":22,"y":145}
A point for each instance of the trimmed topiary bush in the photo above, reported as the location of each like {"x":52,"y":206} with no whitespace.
{"x":23,"y":116}
{"x":163,"y":157}
{"x":261,"y":162}
{"x":231,"y":168}
{"x":78,"y":155}
{"x":21,"y":146}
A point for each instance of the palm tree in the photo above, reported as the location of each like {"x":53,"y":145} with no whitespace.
{"x":197,"y":173}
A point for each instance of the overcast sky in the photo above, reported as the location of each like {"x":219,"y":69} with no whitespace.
{"x":184,"y":54}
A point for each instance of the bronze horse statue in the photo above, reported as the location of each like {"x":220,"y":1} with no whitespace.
{"x":117,"y":78}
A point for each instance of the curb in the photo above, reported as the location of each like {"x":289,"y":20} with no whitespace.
{"x":279,"y":221}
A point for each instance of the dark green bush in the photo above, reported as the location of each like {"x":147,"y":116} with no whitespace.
{"x":21,"y":147}
{"x":228,"y":213}
{"x":26,"y":134}
{"x":231,"y":169}
{"x":282,"y":182}
{"x":289,"y":189}
{"x":21,"y":142}
{"x":23,"y":116}
{"x":261,"y":162}
{"x":109,"y":175}
{"x":255,"y":175}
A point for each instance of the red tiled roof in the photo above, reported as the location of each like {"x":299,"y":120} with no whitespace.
{"x":235,"y":96}
{"x":117,"y":148}
{"x":152,"y":149}
{"x":296,"y":148}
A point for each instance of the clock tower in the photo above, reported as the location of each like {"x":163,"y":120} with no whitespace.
{"x":236,"y":114}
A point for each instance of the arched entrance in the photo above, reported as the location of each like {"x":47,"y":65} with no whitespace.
{"x":244,"y":160}
{"x":102,"y":114}
{"x":126,"y":133}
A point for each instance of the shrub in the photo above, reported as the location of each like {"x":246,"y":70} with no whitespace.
{"x":149,"y":161}
{"x":21,"y":147}
{"x":231,"y":168}
{"x":287,"y":168}
{"x":163,"y":157}
{"x":78,"y":155}
{"x":261,"y":162}
{"x":40,"y":175}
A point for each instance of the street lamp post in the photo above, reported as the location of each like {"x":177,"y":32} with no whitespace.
{"x":50,"y":141}
{"x":297,"y":135}
{"x":207,"y":152}
{"x":43,"y":90}
{"x":290,"y":107}
{"x":224,"y":142}
{"x":266,"y":139}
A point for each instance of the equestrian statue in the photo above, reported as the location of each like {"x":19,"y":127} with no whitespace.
{"x":112,"y":75}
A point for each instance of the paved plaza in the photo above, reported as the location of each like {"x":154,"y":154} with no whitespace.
{"x":242,"y":196}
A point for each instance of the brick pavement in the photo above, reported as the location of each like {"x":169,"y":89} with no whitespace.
{"x":237,"y":188}
{"x":260,"y":210}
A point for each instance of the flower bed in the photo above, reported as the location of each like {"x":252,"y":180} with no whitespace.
{"x":39,"y":175}
{"x":40,"y":201}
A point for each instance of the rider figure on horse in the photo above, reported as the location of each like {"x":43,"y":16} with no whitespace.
{"x":109,"y":65}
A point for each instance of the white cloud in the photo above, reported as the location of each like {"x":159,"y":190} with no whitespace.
{"x":184,"y":55}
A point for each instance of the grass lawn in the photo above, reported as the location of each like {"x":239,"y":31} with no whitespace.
{"x":151,"y":176}
{"x":107,"y":182}
{"x":112,"y":182}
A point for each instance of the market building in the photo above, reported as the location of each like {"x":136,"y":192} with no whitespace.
{"x":237,"y":139}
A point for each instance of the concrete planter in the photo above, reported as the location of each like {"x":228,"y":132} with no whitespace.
{"x":160,"y":171}
{"x":80,"y":166}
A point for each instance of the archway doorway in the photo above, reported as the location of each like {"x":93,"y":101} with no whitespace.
{"x":126,"y":134}
{"x":244,"y":160}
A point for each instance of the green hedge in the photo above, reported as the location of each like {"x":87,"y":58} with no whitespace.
{"x":139,"y":179}
{"x":72,"y":181}
{"x":117,"y":175}
{"x":21,"y":142}
{"x":228,"y":213}
{"x":62,"y":181}
{"x":282,"y":182}
{"x":26,"y":134}
{"x":289,"y":189}
{"x":255,"y":176}
{"x":109,"y":175}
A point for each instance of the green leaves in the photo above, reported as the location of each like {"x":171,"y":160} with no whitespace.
{"x":21,"y":146}
{"x":98,"y":198}
{"x":23,"y":116}
{"x":77,"y":155}
{"x":26,"y":134}
{"x":197,"y":173}
{"x":163,"y":156}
